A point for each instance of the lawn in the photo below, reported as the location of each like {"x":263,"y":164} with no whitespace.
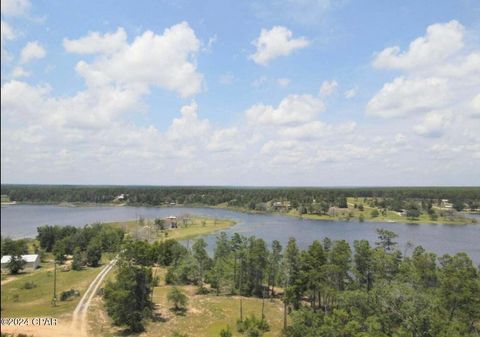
{"x":19,"y":302}
{"x":354,"y":213}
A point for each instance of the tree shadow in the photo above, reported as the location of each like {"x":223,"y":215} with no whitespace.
{"x":178,"y":311}
{"x":157,"y":315}
{"x":128,"y":332}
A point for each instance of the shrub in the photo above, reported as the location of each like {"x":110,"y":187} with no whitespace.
{"x":252,"y":326}
{"x":202,"y":291}
{"x":226,"y":332}
{"x":178,"y":298}
{"x":68,"y":294}
{"x":29,"y":285}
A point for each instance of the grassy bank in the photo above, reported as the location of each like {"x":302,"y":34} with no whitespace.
{"x":193,"y":226}
{"x":373,"y":214}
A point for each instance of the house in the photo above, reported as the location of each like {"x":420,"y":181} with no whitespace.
{"x":172,"y":221}
{"x":281,"y":205}
{"x":33,"y":261}
{"x":446,"y":204}
{"x":120,"y":197}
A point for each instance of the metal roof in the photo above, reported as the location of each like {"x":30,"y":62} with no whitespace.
{"x":27,"y":258}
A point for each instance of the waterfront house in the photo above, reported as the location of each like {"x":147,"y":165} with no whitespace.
{"x":171,"y":221}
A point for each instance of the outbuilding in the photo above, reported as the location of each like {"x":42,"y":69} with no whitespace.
{"x":32,"y":261}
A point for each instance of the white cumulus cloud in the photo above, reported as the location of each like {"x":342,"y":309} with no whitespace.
{"x":436,"y":90}
{"x":274,"y":43}
{"x":15,"y":7}
{"x":32,"y":51}
{"x":441,"y":41}
{"x":291,"y":110}
{"x":96,"y":43}
{"x":166,"y":60}
{"x":328,"y":87}
{"x":433,"y":125}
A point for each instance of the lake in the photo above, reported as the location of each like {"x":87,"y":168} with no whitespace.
{"x":22,"y":220}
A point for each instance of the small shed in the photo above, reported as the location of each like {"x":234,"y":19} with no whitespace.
{"x":33,"y":261}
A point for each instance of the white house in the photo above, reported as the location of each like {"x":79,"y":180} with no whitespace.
{"x":33,"y":261}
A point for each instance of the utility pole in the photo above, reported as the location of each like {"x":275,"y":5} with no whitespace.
{"x":54,"y":299}
{"x":285,"y":303}
{"x":263,"y":305}
{"x":240,"y":290}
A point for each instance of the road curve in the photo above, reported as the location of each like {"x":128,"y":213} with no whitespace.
{"x":80,"y":312}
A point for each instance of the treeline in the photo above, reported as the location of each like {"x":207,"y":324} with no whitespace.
{"x":329,"y":289}
{"x":85,"y":244}
{"x":250,"y":198}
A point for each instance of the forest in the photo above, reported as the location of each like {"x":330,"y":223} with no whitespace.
{"x":330,"y":289}
{"x":302,"y":199}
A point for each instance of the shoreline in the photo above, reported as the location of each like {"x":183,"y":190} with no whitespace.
{"x":467,"y":221}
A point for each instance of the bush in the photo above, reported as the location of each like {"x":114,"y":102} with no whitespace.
{"x":78,"y":259}
{"x":178,"y":298}
{"x":374,"y":213}
{"x":202,"y":291}
{"x":29,"y":285}
{"x":226,"y":332}
{"x":68,"y":294}
{"x":252,"y":326}
{"x":170,"y":277}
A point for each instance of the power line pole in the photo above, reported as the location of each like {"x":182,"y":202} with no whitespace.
{"x":263,"y":304}
{"x":285,"y":303}
{"x":240,"y":292}
{"x":54,"y":299}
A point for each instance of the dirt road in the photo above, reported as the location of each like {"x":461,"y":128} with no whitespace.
{"x":79,"y":324}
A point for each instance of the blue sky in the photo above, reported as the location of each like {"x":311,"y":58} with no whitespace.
{"x":230,"y":92}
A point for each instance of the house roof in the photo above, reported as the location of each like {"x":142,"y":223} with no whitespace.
{"x":27,"y":258}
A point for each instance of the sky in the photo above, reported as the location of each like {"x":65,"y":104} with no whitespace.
{"x":244,"y":93}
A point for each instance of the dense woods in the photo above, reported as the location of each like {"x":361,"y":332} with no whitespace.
{"x":329,"y":289}
{"x":86,"y":244}
{"x":304,"y":199}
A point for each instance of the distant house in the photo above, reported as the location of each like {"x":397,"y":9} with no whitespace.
{"x":33,"y":261}
{"x":171,"y":221}
{"x":446,"y":204}
{"x":120,"y":197}
{"x":281,"y":205}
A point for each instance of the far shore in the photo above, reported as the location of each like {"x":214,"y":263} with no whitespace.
{"x":325,"y":217}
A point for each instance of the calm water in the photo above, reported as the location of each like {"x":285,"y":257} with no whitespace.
{"x":22,"y":220}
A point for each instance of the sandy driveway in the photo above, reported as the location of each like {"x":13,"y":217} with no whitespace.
{"x":67,"y":326}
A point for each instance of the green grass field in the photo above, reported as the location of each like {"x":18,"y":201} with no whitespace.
{"x":195,"y":227}
{"x":18,"y":302}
